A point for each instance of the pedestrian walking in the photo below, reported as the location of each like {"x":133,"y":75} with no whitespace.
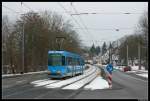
{"x":109,"y":69}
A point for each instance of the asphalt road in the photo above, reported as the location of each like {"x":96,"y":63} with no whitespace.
{"x":124,"y":87}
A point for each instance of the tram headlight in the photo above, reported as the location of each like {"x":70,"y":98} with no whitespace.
{"x":58,"y":72}
{"x":49,"y":72}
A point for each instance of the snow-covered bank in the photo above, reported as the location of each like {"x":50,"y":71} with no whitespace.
{"x":137,"y":68}
{"x":10,"y":75}
{"x":142,"y":72}
{"x":143,"y":75}
{"x":97,"y":83}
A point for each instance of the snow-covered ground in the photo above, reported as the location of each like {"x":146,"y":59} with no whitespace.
{"x":10,"y":75}
{"x":97,"y":83}
{"x":142,"y":72}
{"x":131,"y":71}
{"x":137,"y":68}
{"x":143,"y":75}
{"x":90,"y":75}
{"x":116,"y":67}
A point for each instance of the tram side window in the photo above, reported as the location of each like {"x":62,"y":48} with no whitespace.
{"x":75,"y":61}
{"x":69,"y":61}
{"x":63,"y":60}
{"x":78,"y":62}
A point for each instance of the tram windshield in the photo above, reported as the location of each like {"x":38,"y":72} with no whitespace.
{"x":56,"y":60}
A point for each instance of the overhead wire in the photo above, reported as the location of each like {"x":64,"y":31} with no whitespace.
{"x":103,"y":13}
{"x":80,"y":19}
{"x":11,"y":9}
{"x":68,"y":13}
{"x":26,"y":6}
{"x":117,"y":29}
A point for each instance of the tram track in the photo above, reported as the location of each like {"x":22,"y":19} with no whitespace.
{"x":73,"y":93}
{"x":52,"y":81}
{"x":90,"y":71}
{"x":69,"y":81}
{"x":82,"y":82}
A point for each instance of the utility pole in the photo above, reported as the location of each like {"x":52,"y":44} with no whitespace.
{"x":110,"y":53}
{"x":139,"y":55}
{"x":22,"y":47}
{"x":127,"y":54}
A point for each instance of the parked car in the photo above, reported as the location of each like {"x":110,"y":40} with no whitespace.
{"x":127,"y":68}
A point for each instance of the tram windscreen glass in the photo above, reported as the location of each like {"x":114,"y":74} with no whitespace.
{"x":56,"y":60}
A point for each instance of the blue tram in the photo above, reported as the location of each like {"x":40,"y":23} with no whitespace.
{"x":64,"y":63}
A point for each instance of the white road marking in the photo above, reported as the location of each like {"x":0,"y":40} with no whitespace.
{"x":21,"y":81}
{"x":46,"y":82}
{"x":37,"y":81}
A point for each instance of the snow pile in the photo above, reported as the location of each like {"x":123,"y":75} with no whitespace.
{"x":121,"y":68}
{"x":10,"y":75}
{"x":97,"y":83}
{"x":116,"y":67}
{"x":131,"y":71}
{"x":104,"y":65}
{"x":143,"y":71}
{"x":137,"y":68}
{"x":143,"y":75}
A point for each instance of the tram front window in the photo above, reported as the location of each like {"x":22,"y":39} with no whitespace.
{"x":56,"y":60}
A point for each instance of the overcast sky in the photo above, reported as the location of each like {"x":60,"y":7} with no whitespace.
{"x":101,"y":27}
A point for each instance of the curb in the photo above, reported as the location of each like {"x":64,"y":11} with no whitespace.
{"x":15,"y":75}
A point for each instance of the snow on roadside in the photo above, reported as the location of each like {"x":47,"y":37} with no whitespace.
{"x":115,"y":67}
{"x":145,"y":71}
{"x":131,"y":71}
{"x":9,"y":75}
{"x":97,"y":83}
{"x":137,"y":68}
{"x":143,"y":75}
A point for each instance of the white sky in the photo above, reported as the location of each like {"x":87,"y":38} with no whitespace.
{"x":97,"y":21}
